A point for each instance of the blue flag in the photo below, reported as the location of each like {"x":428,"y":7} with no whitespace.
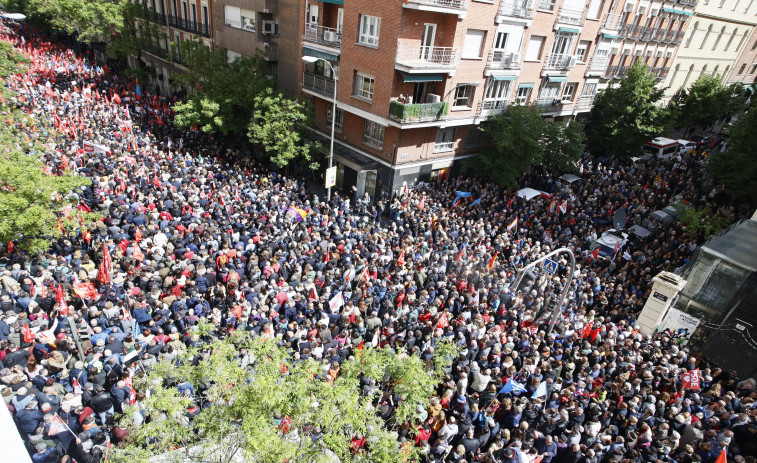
{"x":541,"y":390}
{"x":512,"y":386}
{"x":476,"y":202}
{"x":463,"y":194}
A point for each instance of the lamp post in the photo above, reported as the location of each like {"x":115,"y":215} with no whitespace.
{"x":313,"y":59}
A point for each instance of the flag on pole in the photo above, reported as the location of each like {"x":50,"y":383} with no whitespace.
{"x":336,"y":302}
{"x":513,"y":225}
{"x":61,"y":299}
{"x":77,"y":387}
{"x":587,"y":330}
{"x":462,"y":252}
{"x":28,"y":335}
{"x":366,"y":275}
{"x":595,"y":254}
{"x":692,"y":380}
{"x":56,"y":426}
{"x":313,"y":295}
{"x":138,"y":235}
{"x":376,"y":336}
{"x":541,"y":390}
{"x":443,"y":322}
{"x":563,"y":207}
{"x":422,"y":204}
{"x":722,"y":457}
{"x":476,"y":202}
{"x":552,"y":205}
{"x":401,"y":259}
{"x":85,"y":290}
{"x":103,"y":273}
{"x":513,"y":387}
{"x":490,"y":265}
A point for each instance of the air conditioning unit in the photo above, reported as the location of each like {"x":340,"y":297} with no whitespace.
{"x":516,"y":57}
{"x":572,"y":61}
{"x":433,"y":98}
{"x":329,"y":36}
{"x":629,"y":7}
{"x":270,"y":28}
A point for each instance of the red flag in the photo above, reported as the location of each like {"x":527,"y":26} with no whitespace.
{"x":77,"y":387}
{"x":137,"y":235}
{"x":692,"y":380}
{"x":443,"y":322}
{"x":11,"y":247}
{"x":462,"y":253}
{"x":116,"y":99}
{"x":366,"y":274}
{"x":490,"y":265}
{"x":85,"y":290}
{"x":313,"y":295}
{"x":595,"y":254}
{"x":587,"y":330}
{"x":721,"y":458}
{"x":103,"y":273}
{"x":421,"y":204}
{"x":401,"y":259}
{"x":595,"y":332}
{"x":132,"y":396}
{"x":28,"y":336}
{"x":61,"y":299}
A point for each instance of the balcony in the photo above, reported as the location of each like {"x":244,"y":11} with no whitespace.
{"x":325,"y":36}
{"x":189,"y":26}
{"x":598,"y":65}
{"x":630,"y":31}
{"x":571,"y":16}
{"x":457,"y":7}
{"x":616,"y":71}
{"x":612,"y":23}
{"x":516,"y":9}
{"x":416,"y":57}
{"x":154,"y":16}
{"x":559,"y":61}
{"x":687,"y":2}
{"x":499,"y":59}
{"x":491,"y":108}
{"x":585,"y":103}
{"x":271,"y":51}
{"x":319,"y":84}
{"x":417,"y":112}
{"x":547,"y":103}
{"x":660,"y":72}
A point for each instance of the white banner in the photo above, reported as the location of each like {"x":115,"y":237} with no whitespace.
{"x":682,"y":325}
{"x":90,"y":147}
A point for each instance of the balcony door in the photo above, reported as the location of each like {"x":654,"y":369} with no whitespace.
{"x":339,"y":19}
{"x":419,"y":92}
{"x":313,"y":17}
{"x":562,"y":44}
{"x":427,"y":42}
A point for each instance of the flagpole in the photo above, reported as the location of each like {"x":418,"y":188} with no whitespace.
{"x":66,"y":425}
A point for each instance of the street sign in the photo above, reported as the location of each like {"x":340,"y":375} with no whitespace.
{"x":550,"y":266}
{"x":330,"y":177}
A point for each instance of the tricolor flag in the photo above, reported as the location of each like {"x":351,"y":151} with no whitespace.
{"x":552,"y":205}
{"x":297,"y":213}
{"x":563,"y":207}
{"x":490,"y":265}
{"x":513,"y":224}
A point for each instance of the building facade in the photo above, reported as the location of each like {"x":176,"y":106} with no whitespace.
{"x":745,"y":69}
{"x":715,"y":43}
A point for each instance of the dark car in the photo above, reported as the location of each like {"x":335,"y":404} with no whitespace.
{"x":707,"y":141}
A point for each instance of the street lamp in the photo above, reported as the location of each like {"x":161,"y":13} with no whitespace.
{"x":313,"y":59}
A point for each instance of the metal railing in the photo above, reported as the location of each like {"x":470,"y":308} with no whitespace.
{"x":585,"y":102}
{"x":660,"y":72}
{"x":599,"y":63}
{"x":318,"y":84}
{"x":630,"y":31}
{"x":546,"y":102}
{"x":323,"y":35}
{"x":517,"y":9}
{"x":571,"y":16}
{"x":548,"y":5}
{"x":557,"y":61}
{"x":499,"y":59}
{"x":687,"y":2}
{"x":420,"y":57}
{"x":493,"y":107}
{"x":155,"y":17}
{"x":612,"y":22}
{"x":452,"y":4}
{"x":189,"y":25}
{"x":417,"y":112}
{"x":616,"y":71}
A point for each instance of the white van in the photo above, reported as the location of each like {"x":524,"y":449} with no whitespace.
{"x":661,"y":147}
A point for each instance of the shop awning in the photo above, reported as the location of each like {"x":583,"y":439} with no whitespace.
{"x":407,"y":77}
{"x":569,"y":30}
{"x":319,"y":54}
{"x":525,"y":85}
{"x":335,"y":2}
{"x":557,"y":78}
{"x":675,"y":11}
{"x":504,"y":77}
{"x":609,"y":36}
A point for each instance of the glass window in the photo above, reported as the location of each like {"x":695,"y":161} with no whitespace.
{"x":523,"y":94}
{"x":548,"y":5}
{"x":232,"y":16}
{"x":373,"y":134}
{"x":369,"y":30}
{"x":582,"y":51}
{"x":464,"y":95}
{"x":497,"y":90}
{"x":569,"y":92}
{"x":535,"y":44}
{"x":742,"y":68}
{"x":590,"y":89}
{"x":474,"y":43}
{"x":500,"y":41}
{"x":475,"y":136}
{"x":339,"y":119}
{"x":364,"y":85}
{"x":445,"y":140}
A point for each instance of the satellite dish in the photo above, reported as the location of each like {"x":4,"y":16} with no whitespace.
{"x":619,"y":219}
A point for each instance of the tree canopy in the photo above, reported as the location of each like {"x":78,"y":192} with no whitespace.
{"x":138,"y":34}
{"x":736,"y":168}
{"x":222,"y":93}
{"x":521,"y":139}
{"x":257,"y":404}
{"x":705,"y":101}
{"x":92,"y":20}
{"x":626,"y":116}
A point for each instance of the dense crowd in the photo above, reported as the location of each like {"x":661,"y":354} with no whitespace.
{"x":195,"y":231}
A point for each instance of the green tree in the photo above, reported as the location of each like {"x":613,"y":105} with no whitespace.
{"x":563,"y":145}
{"x":222,"y":94}
{"x":705,"y":101}
{"x":737,"y":167}
{"x":92,"y":20}
{"x":703,"y":221}
{"x":261,"y":405}
{"x":626,"y":116}
{"x":278,"y":126}
{"x":137,"y":35}
{"x":515,"y":145}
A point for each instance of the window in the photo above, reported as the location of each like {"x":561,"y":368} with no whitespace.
{"x":754,"y":68}
{"x":548,"y":5}
{"x":550,"y":91}
{"x":594,"y":8}
{"x":500,"y":41}
{"x":464,"y":95}
{"x":535,"y":44}
{"x":475,"y":137}
{"x":582,"y":51}
{"x":524,"y":92}
{"x":742,"y":69}
{"x":238,"y":18}
{"x":369,"y":30}
{"x":194,"y":12}
{"x":569,"y":92}
{"x":445,"y":140}
{"x":205,"y":14}
{"x":364,"y":86}
{"x":339,"y":119}
{"x":248,"y":20}
{"x":497,"y":90}
{"x":474,"y":43}
{"x":589,"y":89}
{"x":373,"y":134}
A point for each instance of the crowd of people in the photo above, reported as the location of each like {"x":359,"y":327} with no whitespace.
{"x":197,"y":232}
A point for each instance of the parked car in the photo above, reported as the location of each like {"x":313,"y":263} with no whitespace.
{"x":705,"y":141}
{"x":610,"y":243}
{"x":686,"y":145}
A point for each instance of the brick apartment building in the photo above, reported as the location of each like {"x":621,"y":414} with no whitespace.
{"x":417,"y":77}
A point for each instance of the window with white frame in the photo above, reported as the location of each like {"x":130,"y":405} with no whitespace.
{"x":550,"y":90}
{"x":474,"y":43}
{"x":497,"y":90}
{"x":464,"y":95}
{"x":364,"y":85}
{"x":569,"y":92}
{"x":524,"y":93}
{"x":589,"y":89}
{"x":239,"y":18}
{"x":339,"y":119}
{"x":369,"y":30}
{"x":445,"y":140}
{"x":535,"y":44}
{"x":582,"y":51}
{"x":547,"y":5}
{"x":373,"y":134}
